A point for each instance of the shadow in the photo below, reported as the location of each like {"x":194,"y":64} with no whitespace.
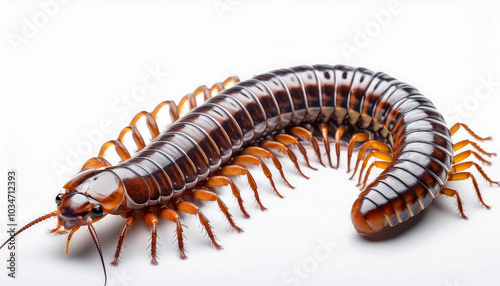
{"x":390,"y":233}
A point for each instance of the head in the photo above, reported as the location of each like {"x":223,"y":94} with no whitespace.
{"x":86,"y":198}
{"x":76,"y":209}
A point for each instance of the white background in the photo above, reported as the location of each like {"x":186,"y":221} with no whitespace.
{"x":65,"y":68}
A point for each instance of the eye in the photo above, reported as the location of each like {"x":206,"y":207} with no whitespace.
{"x":97,"y":211}
{"x":58,"y":198}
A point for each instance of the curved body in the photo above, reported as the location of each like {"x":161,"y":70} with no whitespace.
{"x":243,"y":124}
{"x":199,"y":143}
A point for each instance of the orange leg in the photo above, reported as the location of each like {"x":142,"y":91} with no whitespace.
{"x":338,"y":135}
{"x":304,"y":133}
{"x":216,"y":88}
{"x":58,"y":229}
{"x":466,"y":165}
{"x":248,"y":160}
{"x":173,"y":110}
{"x":190,"y":99}
{"x":466,"y":175}
{"x":202,"y":90}
{"x":150,"y":122}
{"x":206,"y":195}
{"x":220,"y":86}
{"x":237,"y":170}
{"x":370,"y":144}
{"x":359,"y":137}
{"x":209,"y":92}
{"x":190,"y":208}
{"x":452,"y":193}
{"x":151,"y":220}
{"x":323,"y":128}
{"x":378,"y":164}
{"x":288,"y":139}
{"x":459,"y":145}
{"x":457,"y":126}
{"x":172,"y":216}
{"x":464,"y":155}
{"x":136,"y":135}
{"x":263,"y":153}
{"x":70,"y":236}
{"x":95,"y":163}
{"x":268,"y":144}
{"x":126,"y":226}
{"x":376,"y":154}
{"x":219,"y":181}
{"x":231,"y":81}
{"x":121,"y":150}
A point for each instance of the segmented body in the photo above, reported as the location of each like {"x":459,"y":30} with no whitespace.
{"x":195,"y":146}
{"x":242,"y":124}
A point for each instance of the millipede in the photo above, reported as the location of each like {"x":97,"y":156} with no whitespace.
{"x":218,"y":133}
